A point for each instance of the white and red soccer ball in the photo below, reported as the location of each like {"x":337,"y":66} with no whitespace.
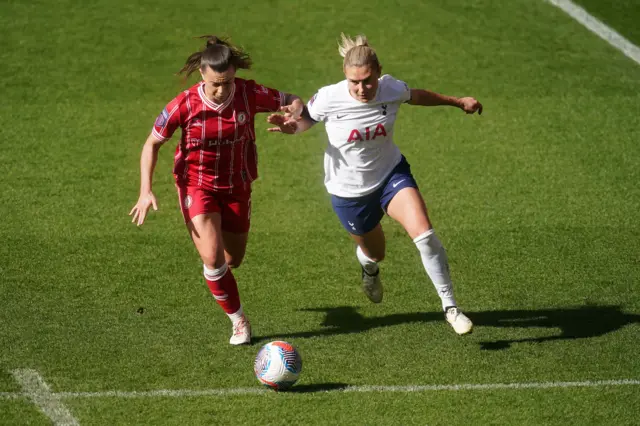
{"x":278,"y":365}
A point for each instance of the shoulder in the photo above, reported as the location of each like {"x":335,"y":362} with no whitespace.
{"x":251,"y":87}
{"x":180,"y":100}
{"x":186,"y":95}
{"x":242,"y":83}
{"x":388,"y":82}
{"x":393,"y":89}
{"x":327,"y":95}
{"x":191,"y":91}
{"x":333,"y":89}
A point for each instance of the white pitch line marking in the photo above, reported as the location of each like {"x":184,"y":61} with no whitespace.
{"x":599,"y":28}
{"x":182,"y":393}
{"x":492,"y":386}
{"x":36,"y":389}
{"x":417,"y":388}
{"x":172,"y":393}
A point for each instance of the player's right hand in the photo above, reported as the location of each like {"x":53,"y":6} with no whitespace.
{"x":284,"y":124}
{"x":139,"y":211}
{"x":294,"y":111}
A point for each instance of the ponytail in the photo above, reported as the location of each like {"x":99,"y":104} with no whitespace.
{"x":218,"y":54}
{"x":357,"y":53}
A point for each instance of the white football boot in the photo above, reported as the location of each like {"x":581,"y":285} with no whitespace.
{"x":371,"y":286}
{"x":241,"y":332}
{"x":459,"y":321}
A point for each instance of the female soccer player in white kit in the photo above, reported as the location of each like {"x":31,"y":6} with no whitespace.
{"x":366,"y":174}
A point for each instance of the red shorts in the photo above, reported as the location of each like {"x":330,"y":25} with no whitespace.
{"x":234,"y":209}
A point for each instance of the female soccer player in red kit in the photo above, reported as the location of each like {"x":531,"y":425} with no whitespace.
{"x":215,"y":163}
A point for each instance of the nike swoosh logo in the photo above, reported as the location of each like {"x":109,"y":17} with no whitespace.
{"x":338,"y":117}
{"x":398,"y":183}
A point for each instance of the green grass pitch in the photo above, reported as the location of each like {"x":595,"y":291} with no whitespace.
{"x":537,"y":202}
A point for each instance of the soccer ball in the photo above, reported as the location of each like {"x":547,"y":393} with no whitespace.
{"x":278,"y":365}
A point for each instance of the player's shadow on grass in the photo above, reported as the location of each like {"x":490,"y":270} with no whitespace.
{"x":574,"y":323}
{"x":319,"y":387}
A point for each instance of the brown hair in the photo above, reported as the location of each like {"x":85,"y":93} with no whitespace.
{"x":357,"y":53}
{"x":218,"y":54}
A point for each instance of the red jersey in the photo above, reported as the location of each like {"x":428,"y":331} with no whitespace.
{"x":217,"y":150}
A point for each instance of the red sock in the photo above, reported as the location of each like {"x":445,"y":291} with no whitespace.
{"x":224,"y":288}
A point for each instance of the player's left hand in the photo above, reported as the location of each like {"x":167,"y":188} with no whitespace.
{"x":285,"y":125}
{"x":470,"y":105}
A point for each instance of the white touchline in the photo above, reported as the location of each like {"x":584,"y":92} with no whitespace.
{"x":49,"y":402}
{"x":599,"y":28}
{"x":491,"y":386}
{"x":35,"y":388}
{"x":181,"y":393}
{"x":172,"y":393}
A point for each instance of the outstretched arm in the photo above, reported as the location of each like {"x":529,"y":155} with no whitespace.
{"x":427,"y":98}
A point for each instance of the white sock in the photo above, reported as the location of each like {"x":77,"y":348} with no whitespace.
{"x":215,"y":274}
{"x":236,"y":316}
{"x":370,"y":266}
{"x":434,"y":259}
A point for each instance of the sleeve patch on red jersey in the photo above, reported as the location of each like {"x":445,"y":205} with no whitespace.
{"x":162,"y":118}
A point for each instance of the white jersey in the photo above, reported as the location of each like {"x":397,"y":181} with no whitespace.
{"x":361,"y":152}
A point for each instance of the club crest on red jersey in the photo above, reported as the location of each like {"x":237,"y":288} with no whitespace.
{"x":242,"y":118}
{"x":162,"y":118}
{"x":188,"y":201}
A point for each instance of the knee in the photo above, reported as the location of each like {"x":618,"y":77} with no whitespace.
{"x":210,"y":263}
{"x":213,"y":262}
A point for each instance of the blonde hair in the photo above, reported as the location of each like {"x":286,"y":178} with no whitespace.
{"x":357,"y":53}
